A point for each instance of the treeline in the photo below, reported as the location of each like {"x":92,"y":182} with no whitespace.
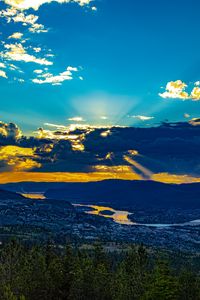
{"x":50,"y":273}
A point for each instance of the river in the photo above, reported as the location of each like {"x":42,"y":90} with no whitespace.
{"x":122,"y":217}
{"x":118,"y":216}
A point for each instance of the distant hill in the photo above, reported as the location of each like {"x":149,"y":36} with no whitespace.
{"x":31,"y":187}
{"x":122,"y":193}
{"x":7,"y":195}
{"x":18,"y":198}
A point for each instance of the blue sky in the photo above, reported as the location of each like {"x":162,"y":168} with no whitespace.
{"x":118,"y":55}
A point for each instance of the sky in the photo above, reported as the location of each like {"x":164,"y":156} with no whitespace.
{"x":78,"y":78}
{"x":101,"y":62}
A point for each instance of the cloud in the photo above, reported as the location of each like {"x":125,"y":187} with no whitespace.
{"x":37,"y":49}
{"x":55,"y":126}
{"x":76,"y":119}
{"x":195,"y":94}
{"x":35,"y":4}
{"x":72,"y":69}
{"x":20,"y":80}
{"x":2,"y":65}
{"x":17,"y":52}
{"x":48,"y":78}
{"x":3,"y":74}
{"x":17,"y":11}
{"x":38,"y":71}
{"x":37,"y":28}
{"x":186,"y":115}
{"x":16,"y":35}
{"x":61,"y":148}
{"x":175,"y":90}
{"x":10,"y":130}
{"x":142,"y":118}
{"x":17,"y":158}
{"x":195,"y":121}
{"x":12,"y":14}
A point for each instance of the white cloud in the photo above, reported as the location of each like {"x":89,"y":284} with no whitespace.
{"x":17,"y":11}
{"x":186,"y":116}
{"x":3,"y":74}
{"x":2,"y":65}
{"x":35,"y":4}
{"x":37,"y":28}
{"x":17,"y":52}
{"x":55,"y":125}
{"x":8,"y":13}
{"x":15,"y":68}
{"x":195,"y":94}
{"x":25,"y":19}
{"x":175,"y":90}
{"x":38,"y":71}
{"x":142,"y":118}
{"x":76,"y":119}
{"x":16,"y":35}
{"x":48,"y":78}
{"x":37,"y":49}
{"x":72,"y":69}
{"x":20,"y":80}
{"x":12,"y":14}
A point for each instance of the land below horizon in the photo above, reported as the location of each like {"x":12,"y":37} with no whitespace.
{"x":172,"y":223}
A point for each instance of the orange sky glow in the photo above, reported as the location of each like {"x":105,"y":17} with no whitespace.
{"x":12,"y":177}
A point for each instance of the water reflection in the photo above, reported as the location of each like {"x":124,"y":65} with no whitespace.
{"x":38,"y":196}
{"x":122,"y":217}
{"x":118,"y":216}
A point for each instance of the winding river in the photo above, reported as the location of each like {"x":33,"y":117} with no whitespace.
{"x":118,"y":216}
{"x":122,"y":217}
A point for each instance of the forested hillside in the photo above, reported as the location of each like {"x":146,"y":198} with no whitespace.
{"x":51,"y":273}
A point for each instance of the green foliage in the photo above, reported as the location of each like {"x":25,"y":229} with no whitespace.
{"x":48,"y":273}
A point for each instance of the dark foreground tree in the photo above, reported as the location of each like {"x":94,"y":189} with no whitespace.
{"x":49,"y":273}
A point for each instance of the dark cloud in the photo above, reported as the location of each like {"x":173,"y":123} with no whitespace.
{"x":9,"y":132}
{"x":170,"y":147}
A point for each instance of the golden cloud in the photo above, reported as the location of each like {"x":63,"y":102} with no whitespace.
{"x":17,"y":158}
{"x":176,"y":90}
{"x":195,"y":94}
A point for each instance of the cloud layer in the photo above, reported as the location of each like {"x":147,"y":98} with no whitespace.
{"x":145,"y":152}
